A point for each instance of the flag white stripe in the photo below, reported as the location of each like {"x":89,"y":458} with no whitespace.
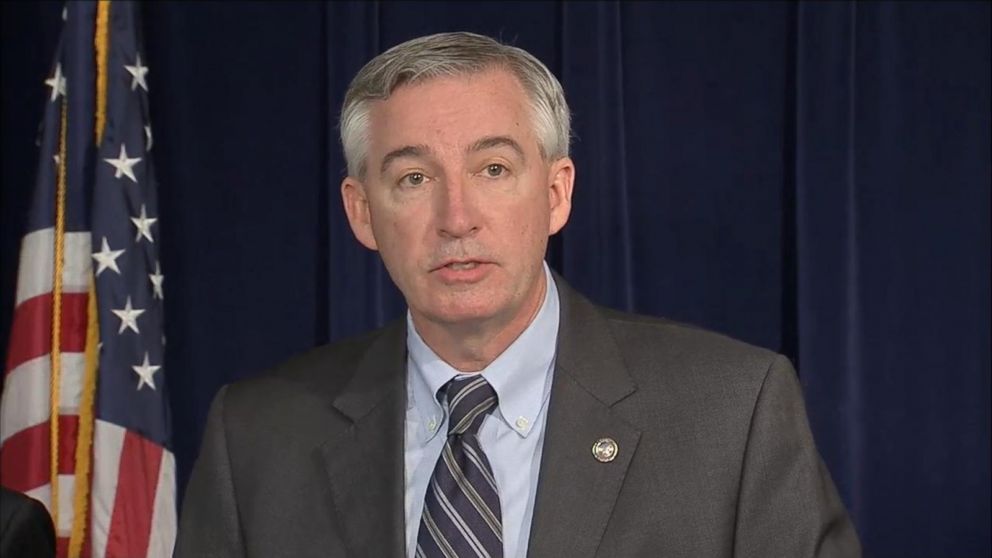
{"x":67,"y":485}
{"x":163,"y":535}
{"x":108,"y":442}
{"x":25,"y":392}
{"x":36,"y":268}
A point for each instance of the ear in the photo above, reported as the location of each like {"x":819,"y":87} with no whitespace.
{"x":356,"y":207}
{"x":561,"y":178}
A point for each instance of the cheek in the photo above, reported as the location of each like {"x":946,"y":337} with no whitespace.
{"x":400,"y":236}
{"x":526,"y":228}
{"x":535,"y":214}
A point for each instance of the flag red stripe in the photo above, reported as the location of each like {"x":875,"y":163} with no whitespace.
{"x":24,"y":459}
{"x":31,"y":330}
{"x":130,"y":525}
{"x":62,"y":546}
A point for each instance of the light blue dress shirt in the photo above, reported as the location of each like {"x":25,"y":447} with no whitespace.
{"x":512,"y":435}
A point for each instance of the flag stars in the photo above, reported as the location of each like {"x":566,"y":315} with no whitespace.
{"x":157,"y":278}
{"x":57,"y":83}
{"x":138,"y":73}
{"x":128,"y":316}
{"x":124,"y":165}
{"x":145,"y":372}
{"x":144,"y":225}
{"x":148,"y":138}
{"x":107,"y":258}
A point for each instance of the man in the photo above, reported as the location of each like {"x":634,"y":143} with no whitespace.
{"x":506,"y":415}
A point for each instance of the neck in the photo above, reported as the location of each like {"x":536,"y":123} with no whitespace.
{"x":472,"y":347}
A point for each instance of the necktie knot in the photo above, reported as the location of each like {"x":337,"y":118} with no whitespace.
{"x":468,"y":403}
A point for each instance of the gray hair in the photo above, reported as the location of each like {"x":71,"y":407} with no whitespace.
{"x":452,"y":54}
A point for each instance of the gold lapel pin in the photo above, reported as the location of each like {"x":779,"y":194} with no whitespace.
{"x":605,"y":450}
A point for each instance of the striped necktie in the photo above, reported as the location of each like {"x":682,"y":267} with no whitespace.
{"x":462,"y":515}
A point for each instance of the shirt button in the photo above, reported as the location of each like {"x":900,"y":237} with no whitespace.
{"x":432,"y":425}
{"x":522,"y":423}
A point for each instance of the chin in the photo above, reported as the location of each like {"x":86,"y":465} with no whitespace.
{"x":454,"y":316}
{"x":459,"y":311}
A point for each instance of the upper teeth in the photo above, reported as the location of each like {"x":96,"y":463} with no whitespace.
{"x":465,"y":265}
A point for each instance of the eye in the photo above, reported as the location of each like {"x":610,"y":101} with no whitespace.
{"x":413,"y":179}
{"x":495,"y":170}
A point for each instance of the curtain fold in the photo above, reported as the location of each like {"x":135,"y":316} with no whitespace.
{"x":894,"y":352}
{"x":593,"y":62}
{"x":826,"y":234}
{"x":361,"y":296}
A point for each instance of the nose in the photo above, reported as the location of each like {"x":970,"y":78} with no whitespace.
{"x":456,"y":209}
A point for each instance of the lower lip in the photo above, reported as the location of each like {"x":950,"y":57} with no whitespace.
{"x":451,"y":275}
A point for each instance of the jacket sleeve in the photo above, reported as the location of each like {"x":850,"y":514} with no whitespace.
{"x":788,"y":505}
{"x":209,"y":524}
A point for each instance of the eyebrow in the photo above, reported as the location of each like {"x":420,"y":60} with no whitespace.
{"x":405,"y":151}
{"x":490,"y":142}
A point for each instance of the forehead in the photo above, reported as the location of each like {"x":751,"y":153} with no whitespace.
{"x":451,"y":113}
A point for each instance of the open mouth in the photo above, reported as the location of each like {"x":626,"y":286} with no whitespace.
{"x":459,"y":266}
{"x":469,"y":271}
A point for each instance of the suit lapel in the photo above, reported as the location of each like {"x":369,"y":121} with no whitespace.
{"x":576,"y":492}
{"x":364,"y":462}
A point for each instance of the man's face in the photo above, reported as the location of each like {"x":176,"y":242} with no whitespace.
{"x":458,"y":200}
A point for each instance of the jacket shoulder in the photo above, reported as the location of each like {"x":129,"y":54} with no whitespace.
{"x":309,"y":379}
{"x":682,"y":337}
{"x":684,"y":356}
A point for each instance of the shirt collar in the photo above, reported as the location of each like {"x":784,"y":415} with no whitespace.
{"x":520,"y":375}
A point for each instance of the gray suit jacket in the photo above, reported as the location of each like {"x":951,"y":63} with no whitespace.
{"x":715,"y":452}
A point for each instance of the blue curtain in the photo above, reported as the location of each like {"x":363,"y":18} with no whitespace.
{"x":813,"y":178}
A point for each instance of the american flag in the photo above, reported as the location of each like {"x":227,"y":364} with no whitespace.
{"x":90,"y":277}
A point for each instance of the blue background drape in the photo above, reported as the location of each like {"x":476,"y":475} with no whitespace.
{"x":813,"y":178}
